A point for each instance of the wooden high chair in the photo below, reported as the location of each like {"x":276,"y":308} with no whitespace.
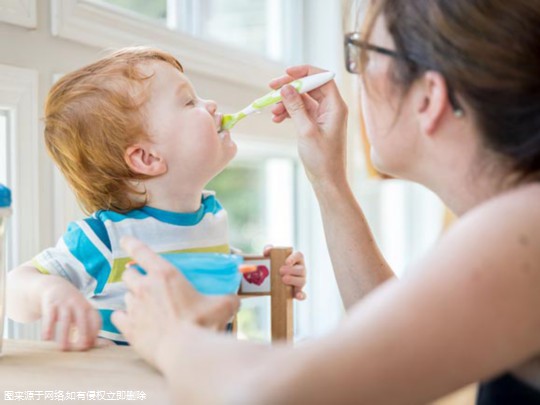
{"x":266,"y":281}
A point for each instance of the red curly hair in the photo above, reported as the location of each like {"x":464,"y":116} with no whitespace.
{"x":91,"y":116}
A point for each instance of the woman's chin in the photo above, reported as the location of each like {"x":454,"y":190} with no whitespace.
{"x":380,"y":167}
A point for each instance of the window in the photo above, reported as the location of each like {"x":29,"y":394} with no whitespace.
{"x":259,"y":196}
{"x":18,"y":169}
{"x":3,"y":146}
{"x":155,"y":9}
{"x":257,"y":26}
{"x":4,"y":164}
{"x":4,"y":174}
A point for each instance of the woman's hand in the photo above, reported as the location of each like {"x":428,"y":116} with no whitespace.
{"x":68,"y":317}
{"x":158,"y":303}
{"x":320,"y":117}
{"x":293,"y":272}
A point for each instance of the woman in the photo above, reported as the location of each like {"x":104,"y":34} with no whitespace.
{"x":451,"y":97}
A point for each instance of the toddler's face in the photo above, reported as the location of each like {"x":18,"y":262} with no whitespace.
{"x":184,"y":128}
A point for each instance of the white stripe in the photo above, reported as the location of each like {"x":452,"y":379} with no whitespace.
{"x":90,"y":234}
{"x":112,"y":297}
{"x":112,"y":336}
{"x":161,"y":237}
{"x":61,"y":262}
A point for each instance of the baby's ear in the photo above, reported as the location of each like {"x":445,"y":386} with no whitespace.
{"x":143,"y":160}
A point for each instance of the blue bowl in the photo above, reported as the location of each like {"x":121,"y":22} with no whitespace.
{"x":209,"y":273}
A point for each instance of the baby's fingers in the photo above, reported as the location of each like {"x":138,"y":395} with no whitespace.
{"x":297,"y":270}
{"x":88,"y":324}
{"x":64,"y":327}
{"x":83,"y":340}
{"x":295,"y":258}
{"x":49,"y":318}
{"x":299,"y":294}
{"x":294,"y":281}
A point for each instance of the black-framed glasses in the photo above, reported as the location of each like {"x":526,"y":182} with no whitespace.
{"x":353,"y":48}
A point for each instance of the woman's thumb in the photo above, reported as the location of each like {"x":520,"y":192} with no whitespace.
{"x":296,"y":108}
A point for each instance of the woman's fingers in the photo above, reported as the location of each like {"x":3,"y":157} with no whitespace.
{"x":144,"y":256}
{"x":166,"y":291}
{"x":153,"y":264}
{"x":218,"y":311}
{"x":129,"y":300}
{"x":280,"y":118}
{"x":297,"y":109}
{"x":280,"y":81}
{"x":133,"y":279}
{"x":121,"y":321}
{"x":299,"y":71}
{"x":293,"y":73}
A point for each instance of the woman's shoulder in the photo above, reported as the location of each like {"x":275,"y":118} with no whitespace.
{"x":499,"y":239}
{"x":527,"y":195}
{"x":516,"y":210}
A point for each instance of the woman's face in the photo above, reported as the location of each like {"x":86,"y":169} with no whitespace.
{"x":388,"y":114}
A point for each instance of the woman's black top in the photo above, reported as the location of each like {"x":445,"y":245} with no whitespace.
{"x":507,"y":390}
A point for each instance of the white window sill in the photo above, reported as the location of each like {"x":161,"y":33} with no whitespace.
{"x":95,"y":25}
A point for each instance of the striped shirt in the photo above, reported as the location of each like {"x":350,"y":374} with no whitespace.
{"x":89,"y":255}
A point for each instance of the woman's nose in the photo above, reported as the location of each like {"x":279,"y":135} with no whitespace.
{"x":211,"y":106}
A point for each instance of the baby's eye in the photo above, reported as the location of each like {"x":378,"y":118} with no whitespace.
{"x":190,"y":103}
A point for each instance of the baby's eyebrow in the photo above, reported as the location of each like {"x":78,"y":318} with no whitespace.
{"x":181,"y":87}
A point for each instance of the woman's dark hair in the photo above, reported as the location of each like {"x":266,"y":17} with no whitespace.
{"x":489,"y":53}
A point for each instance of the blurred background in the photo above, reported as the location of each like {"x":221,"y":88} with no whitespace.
{"x":230,"y":50}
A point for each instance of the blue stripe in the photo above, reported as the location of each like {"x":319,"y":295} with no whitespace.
{"x":85,"y":252}
{"x":118,"y":217}
{"x":209,"y":204}
{"x":106,"y":323}
{"x":99,"y":229}
{"x":212,"y":204}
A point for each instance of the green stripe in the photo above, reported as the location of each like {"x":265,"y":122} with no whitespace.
{"x":39,"y":267}
{"x":119,"y":265}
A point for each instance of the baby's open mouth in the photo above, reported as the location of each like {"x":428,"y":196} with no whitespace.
{"x":218,"y":118}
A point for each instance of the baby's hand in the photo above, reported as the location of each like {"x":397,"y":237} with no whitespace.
{"x":293,"y":272}
{"x":68,"y":317}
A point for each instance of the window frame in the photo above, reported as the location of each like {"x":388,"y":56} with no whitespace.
{"x":19,"y":96}
{"x":105,"y":27}
{"x":22,"y":13}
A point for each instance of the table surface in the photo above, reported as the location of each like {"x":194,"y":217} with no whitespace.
{"x":113,"y":373}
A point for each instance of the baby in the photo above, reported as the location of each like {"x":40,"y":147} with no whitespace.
{"x":137,"y":146}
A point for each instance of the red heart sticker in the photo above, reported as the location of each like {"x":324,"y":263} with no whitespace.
{"x":258,"y":276}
